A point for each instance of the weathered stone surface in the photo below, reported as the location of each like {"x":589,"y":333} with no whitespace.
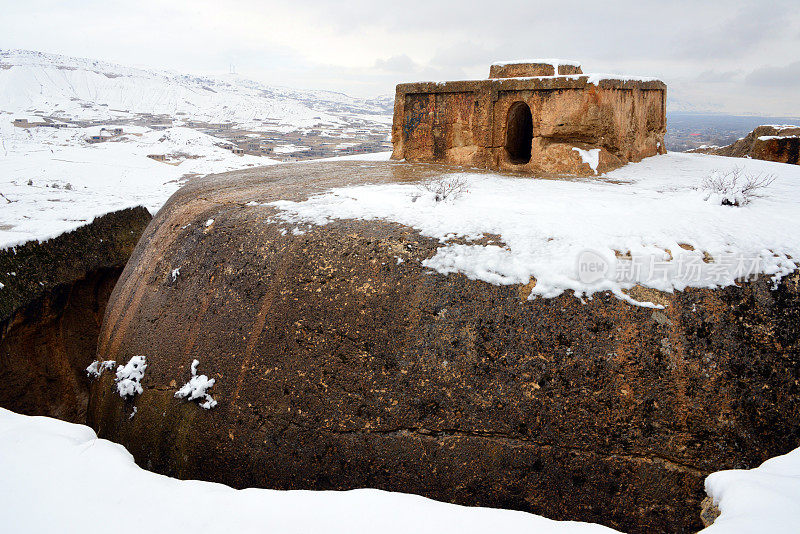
{"x":765,"y":142}
{"x":51,"y":309}
{"x":472,"y":123}
{"x":338,"y":367}
{"x":709,"y":512}
{"x":524,"y":69}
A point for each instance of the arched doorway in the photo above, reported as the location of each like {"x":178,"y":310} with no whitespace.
{"x":519,"y":133}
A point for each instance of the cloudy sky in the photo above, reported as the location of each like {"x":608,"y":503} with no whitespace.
{"x":728,"y":56}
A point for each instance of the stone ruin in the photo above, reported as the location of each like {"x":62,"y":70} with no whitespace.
{"x":536,"y":116}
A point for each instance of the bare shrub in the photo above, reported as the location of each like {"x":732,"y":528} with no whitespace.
{"x":445,"y":187}
{"x":735,"y":187}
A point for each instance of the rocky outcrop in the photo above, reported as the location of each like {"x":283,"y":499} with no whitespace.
{"x":51,"y":307}
{"x":339,"y":367}
{"x":709,"y":512}
{"x":770,"y":143}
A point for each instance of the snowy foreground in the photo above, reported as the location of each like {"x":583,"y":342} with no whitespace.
{"x":654,"y":223}
{"x":59,"y":476}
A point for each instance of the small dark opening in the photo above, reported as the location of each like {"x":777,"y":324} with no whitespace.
{"x":519,"y":133}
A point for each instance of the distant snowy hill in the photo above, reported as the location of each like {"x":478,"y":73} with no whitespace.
{"x":84,"y":89}
{"x":80,"y":138}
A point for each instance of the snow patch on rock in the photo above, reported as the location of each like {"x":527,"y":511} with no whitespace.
{"x":647,"y":214}
{"x":129,"y":377}
{"x":96,"y":368}
{"x":197,"y":388}
{"x":591,"y":157}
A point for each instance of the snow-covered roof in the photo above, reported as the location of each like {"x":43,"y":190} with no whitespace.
{"x":547,"y":61}
{"x":29,"y":118}
{"x":591,"y":77}
{"x":597,"y":77}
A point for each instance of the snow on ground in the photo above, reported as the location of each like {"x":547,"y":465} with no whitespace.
{"x":289,"y":149}
{"x":53,"y":180}
{"x":647,"y":223}
{"x":59,"y":476}
{"x":765,"y":499}
{"x":53,"y":471}
{"x":364,"y":156}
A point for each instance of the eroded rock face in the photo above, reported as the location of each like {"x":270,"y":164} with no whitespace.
{"x":771,"y":143}
{"x":51,"y":309}
{"x":339,"y":367}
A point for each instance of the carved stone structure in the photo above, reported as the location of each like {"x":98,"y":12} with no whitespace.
{"x":537,"y":116}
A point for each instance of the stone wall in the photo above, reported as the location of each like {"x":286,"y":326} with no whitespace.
{"x":466,"y":123}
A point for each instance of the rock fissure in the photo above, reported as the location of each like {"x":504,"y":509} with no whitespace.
{"x":437,"y":434}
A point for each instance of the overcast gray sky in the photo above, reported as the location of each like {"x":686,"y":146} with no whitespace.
{"x":728,"y":56}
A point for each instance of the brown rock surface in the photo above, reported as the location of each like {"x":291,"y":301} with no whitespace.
{"x":770,"y":143}
{"x":523,"y":69}
{"x":51,"y":310}
{"x":338,"y":367}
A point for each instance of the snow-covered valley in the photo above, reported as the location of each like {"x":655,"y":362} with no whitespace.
{"x":80,"y":138}
{"x":77,"y":89}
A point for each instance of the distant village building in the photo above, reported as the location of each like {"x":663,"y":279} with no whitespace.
{"x":157,"y":157}
{"x":532,"y":116}
{"x":27,"y":122}
{"x":105,"y":134}
{"x":237,"y":150}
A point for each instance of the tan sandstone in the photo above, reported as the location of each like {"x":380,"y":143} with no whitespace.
{"x":526,"y":118}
